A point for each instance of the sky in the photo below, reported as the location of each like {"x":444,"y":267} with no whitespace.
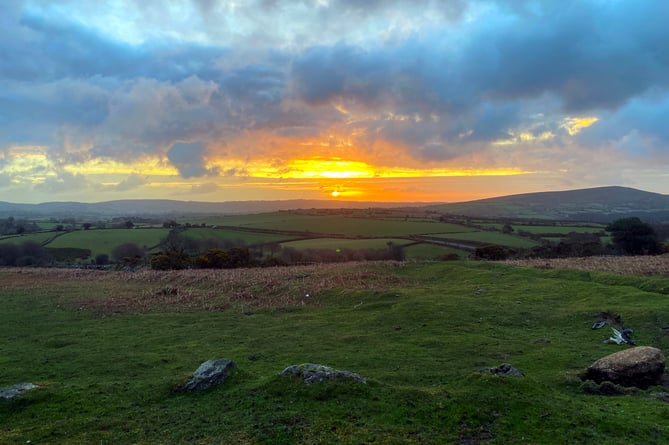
{"x":377,"y":100}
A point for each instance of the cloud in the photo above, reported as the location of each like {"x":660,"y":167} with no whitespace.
{"x":205,"y":188}
{"x":592,"y":55}
{"x":130,"y":182}
{"x":63,"y":182}
{"x":638,"y":129}
{"x":432,"y":82}
{"x":188,"y":158}
{"x":5,"y":180}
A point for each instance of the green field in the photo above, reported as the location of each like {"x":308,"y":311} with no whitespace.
{"x":335,"y":243}
{"x":427,"y":251}
{"x":109,"y":351}
{"x":288,"y":227}
{"x":557,"y":229}
{"x":40,"y":237}
{"x":493,"y":238}
{"x":103,"y":241}
{"x":538,"y":229}
{"x":336,"y":224}
{"x":247,"y":238}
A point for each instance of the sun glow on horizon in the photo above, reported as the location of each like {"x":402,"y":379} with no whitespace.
{"x":337,"y":168}
{"x":331,"y":177}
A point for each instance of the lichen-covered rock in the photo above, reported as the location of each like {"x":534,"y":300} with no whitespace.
{"x":12,"y":391}
{"x":641,"y":367}
{"x":504,"y":369}
{"x":209,"y":373}
{"x":314,"y":373}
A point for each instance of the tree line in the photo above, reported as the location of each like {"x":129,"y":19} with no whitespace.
{"x":12,"y":226}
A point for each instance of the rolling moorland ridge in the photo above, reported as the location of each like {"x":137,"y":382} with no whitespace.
{"x":601,"y":204}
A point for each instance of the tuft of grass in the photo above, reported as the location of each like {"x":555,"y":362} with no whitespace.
{"x":109,"y":351}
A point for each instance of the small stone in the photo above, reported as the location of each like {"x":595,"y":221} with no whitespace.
{"x":314,"y":373}
{"x":10,"y":392}
{"x":504,"y":369}
{"x":209,"y":373}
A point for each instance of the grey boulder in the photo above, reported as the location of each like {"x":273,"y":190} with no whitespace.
{"x":209,"y":373}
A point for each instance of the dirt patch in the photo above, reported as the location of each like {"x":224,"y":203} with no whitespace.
{"x":108,"y":292}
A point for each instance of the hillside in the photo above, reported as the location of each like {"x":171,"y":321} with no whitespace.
{"x":601,"y":204}
{"x":109,"y":352}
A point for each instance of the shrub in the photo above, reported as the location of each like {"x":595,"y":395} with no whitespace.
{"x":121,"y":253}
{"x":170,"y":261}
{"x":102,"y":259}
{"x":493,"y":253}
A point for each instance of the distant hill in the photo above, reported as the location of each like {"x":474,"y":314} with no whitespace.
{"x":173,"y":208}
{"x":601,"y":204}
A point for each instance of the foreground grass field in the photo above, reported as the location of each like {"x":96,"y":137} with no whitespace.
{"x":110,"y":349}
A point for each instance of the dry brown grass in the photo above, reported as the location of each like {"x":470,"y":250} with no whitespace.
{"x":622,"y":265}
{"x":243,"y":289}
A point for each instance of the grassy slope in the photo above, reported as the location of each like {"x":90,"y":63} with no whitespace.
{"x":419,"y":333}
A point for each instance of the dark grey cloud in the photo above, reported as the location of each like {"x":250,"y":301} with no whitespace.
{"x":639,"y":128}
{"x":43,"y":48}
{"x":188,"y":158}
{"x":592,"y":55}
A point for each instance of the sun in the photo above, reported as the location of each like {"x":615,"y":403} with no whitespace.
{"x":335,"y":193}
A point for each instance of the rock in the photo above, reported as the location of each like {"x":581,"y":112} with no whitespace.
{"x":504,"y":369}
{"x":641,"y":367}
{"x":209,"y":373}
{"x":10,"y":392}
{"x":314,"y":373}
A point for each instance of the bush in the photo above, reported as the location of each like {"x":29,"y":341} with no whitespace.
{"x":102,"y":259}
{"x":9,"y":253}
{"x":68,"y":254}
{"x":127,"y":250}
{"x":494,"y":253}
{"x":170,"y":261}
